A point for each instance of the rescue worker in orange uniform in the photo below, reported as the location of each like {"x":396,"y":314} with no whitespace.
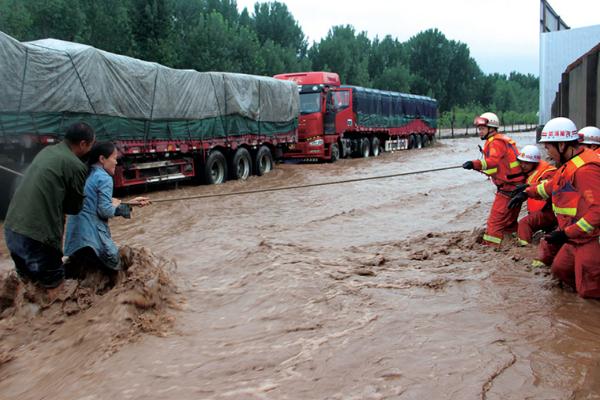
{"x":540,"y":215}
{"x":591,"y":138}
{"x":575,"y":194}
{"x":501,"y":165}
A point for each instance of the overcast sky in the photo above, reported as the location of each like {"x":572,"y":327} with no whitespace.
{"x":503,"y":36}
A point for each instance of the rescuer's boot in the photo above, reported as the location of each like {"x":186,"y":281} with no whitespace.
{"x":538,"y":264}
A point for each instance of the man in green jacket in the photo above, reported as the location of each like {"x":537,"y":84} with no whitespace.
{"x":52,"y":187}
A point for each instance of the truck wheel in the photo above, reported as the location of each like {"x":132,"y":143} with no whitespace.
{"x":264,"y":161}
{"x":365,"y":148}
{"x":215,"y":168}
{"x":425,"y":140}
{"x":344,"y":152}
{"x":411,"y":142}
{"x":335,"y":152}
{"x":241,"y":164}
{"x":418,"y":143}
{"x":375,"y":146}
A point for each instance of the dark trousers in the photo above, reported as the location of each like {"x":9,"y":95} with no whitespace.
{"x":34,"y":260}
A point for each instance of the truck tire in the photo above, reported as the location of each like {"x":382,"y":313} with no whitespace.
{"x":375,"y":146}
{"x":418,"y":143}
{"x":365,"y":148}
{"x":241,"y":164}
{"x":344,"y":151}
{"x":264,"y":161}
{"x":425,"y":140}
{"x":335,"y":152}
{"x":411,"y":142}
{"x":215,"y":168}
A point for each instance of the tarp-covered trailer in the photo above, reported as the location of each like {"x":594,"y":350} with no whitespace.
{"x":168,"y":124}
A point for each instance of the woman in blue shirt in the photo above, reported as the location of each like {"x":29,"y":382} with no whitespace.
{"x":88,"y":238}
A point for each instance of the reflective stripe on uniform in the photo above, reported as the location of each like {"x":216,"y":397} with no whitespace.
{"x":584,"y":225}
{"x":537,"y":264}
{"x":514,"y":164}
{"x":490,"y":171}
{"x":542,"y":191}
{"x":483,"y":164}
{"x":522,"y":242}
{"x":571,"y":212}
{"x":492,"y":239}
{"x":578,"y":161}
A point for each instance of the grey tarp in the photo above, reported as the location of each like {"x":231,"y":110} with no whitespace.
{"x":56,"y":77}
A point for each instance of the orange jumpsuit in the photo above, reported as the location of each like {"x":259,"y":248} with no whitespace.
{"x":575,"y":193}
{"x":540,"y":214}
{"x":501,"y":165}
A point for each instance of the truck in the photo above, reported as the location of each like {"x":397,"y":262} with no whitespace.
{"x":168,"y":124}
{"x":338,"y":121}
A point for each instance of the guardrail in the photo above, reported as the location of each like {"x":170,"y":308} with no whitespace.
{"x":472,"y":131}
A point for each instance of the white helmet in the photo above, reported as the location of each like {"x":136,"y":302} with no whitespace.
{"x":590,"y":134}
{"x":487,"y":119}
{"x":559,"y":130}
{"x":530,"y":153}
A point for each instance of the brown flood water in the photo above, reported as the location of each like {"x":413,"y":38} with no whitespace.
{"x":367,"y":290}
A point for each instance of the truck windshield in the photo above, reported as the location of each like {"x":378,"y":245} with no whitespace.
{"x":310,"y":103}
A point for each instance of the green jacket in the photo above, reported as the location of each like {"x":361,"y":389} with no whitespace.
{"x":52,"y":187}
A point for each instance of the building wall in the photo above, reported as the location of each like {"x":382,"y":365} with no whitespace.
{"x":597,"y":92}
{"x":577,"y":94}
{"x":557,"y":51}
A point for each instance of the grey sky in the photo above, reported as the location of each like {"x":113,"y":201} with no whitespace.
{"x":503,"y":35}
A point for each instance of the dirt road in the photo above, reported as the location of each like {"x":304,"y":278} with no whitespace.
{"x":367,"y":290}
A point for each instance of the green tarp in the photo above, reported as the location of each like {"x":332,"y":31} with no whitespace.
{"x":48,"y":84}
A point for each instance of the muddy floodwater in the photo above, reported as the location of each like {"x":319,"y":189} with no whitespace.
{"x":365,"y":290}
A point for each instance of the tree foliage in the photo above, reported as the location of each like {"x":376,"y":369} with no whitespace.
{"x":215,"y":35}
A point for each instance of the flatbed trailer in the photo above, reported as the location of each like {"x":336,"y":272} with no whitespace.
{"x":168,"y":125}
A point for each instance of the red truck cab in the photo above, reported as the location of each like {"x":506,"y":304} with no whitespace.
{"x":325,"y":112}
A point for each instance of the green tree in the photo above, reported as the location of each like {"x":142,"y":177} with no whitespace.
{"x":58,"y":19}
{"x":238,"y":50}
{"x":397,"y":78}
{"x":344,"y":52}
{"x":15,"y":19}
{"x":273,"y":21}
{"x":386,"y":54}
{"x":108,"y":26}
{"x":152,"y":28}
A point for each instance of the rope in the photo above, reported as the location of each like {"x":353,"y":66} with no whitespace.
{"x":277,"y":189}
{"x":12,"y":171}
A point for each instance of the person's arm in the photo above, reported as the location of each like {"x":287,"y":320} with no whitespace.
{"x":541,"y":191}
{"x":547,"y":175}
{"x":491,"y":157}
{"x":587,"y":182}
{"x":106,"y":208}
{"x":74,"y":194}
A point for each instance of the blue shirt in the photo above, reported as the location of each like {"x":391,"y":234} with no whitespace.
{"x":90,"y":228}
